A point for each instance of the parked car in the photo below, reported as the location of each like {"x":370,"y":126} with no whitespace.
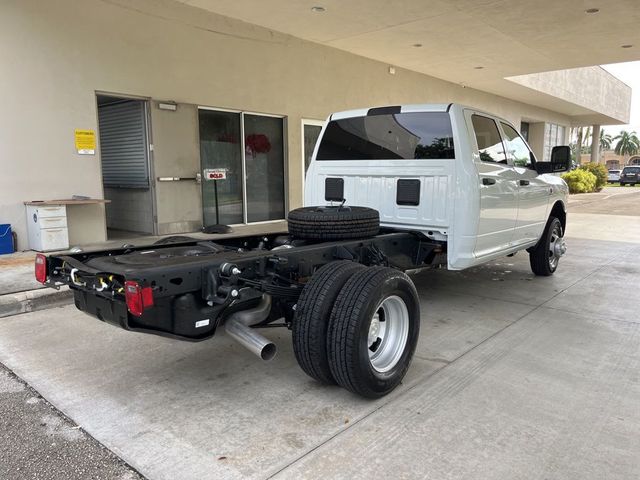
{"x":389,"y":189}
{"x":630,"y":176}
{"x":614,"y":176}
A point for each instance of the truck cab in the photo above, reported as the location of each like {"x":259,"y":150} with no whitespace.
{"x":454,"y":173}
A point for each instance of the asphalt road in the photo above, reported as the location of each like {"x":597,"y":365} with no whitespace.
{"x":38,"y":442}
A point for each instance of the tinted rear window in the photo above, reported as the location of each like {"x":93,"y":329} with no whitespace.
{"x":631,"y":170}
{"x":401,"y":136}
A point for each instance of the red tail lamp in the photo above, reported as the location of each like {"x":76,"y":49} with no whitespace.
{"x":41,"y":268}
{"x":137,"y":297}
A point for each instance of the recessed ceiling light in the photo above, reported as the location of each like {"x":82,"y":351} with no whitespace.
{"x":478,"y":67}
{"x":592,"y":10}
{"x":626,"y":46}
{"x":417,"y":45}
{"x":318,"y":9}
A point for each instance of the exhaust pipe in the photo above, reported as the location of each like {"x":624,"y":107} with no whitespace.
{"x":238,"y":326}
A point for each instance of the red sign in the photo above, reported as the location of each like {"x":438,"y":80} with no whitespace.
{"x":215,"y":174}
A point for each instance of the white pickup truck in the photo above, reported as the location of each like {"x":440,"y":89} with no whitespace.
{"x":468,"y":176}
{"x":388,"y":190}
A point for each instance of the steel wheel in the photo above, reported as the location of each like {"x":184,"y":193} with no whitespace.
{"x":545,"y":256}
{"x":388,"y":333}
{"x":557,"y":247}
{"x":373,"y":331}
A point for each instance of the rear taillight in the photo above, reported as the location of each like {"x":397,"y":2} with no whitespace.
{"x":137,"y":298}
{"x":41,"y":268}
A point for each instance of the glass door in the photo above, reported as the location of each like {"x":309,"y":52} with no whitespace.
{"x":242,"y":159}
{"x":221,"y":153}
{"x":264,"y":160}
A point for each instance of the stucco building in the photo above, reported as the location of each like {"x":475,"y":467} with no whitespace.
{"x":176,"y":92}
{"x":611,"y":159}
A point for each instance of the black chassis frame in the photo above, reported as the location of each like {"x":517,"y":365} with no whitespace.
{"x":232,"y":277}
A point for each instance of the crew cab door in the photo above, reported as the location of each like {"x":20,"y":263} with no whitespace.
{"x":533,"y":191}
{"x":498,"y":184}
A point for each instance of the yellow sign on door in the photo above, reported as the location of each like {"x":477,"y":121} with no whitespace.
{"x":86,"y":142}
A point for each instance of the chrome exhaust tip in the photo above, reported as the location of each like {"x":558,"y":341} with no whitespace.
{"x":238,"y":326}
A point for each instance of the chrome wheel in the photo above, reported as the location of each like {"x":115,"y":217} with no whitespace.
{"x":388,"y":333}
{"x":557,"y":247}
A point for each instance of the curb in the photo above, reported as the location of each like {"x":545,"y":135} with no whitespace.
{"x":32,"y":300}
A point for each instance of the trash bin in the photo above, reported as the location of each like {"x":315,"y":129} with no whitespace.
{"x":6,"y":239}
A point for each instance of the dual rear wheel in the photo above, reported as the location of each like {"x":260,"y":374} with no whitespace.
{"x":357,"y":326}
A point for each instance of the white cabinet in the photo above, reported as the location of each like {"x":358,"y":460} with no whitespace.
{"x":47,"y":225}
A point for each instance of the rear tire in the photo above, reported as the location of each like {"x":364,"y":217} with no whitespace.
{"x":311,"y":320}
{"x":333,"y":223}
{"x":373,"y":331}
{"x":544,"y":258}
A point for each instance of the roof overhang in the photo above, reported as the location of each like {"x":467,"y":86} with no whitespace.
{"x":489,"y":45}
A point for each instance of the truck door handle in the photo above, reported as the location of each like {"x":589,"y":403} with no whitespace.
{"x":488,"y":181}
{"x":524,"y":182}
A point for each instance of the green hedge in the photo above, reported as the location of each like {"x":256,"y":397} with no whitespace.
{"x":601,"y":173}
{"x":580,"y":181}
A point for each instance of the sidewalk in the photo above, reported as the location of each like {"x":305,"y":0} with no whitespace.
{"x":16,"y":273}
{"x":19,"y":290}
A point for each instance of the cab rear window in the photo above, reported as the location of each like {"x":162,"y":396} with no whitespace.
{"x":400,"y":136}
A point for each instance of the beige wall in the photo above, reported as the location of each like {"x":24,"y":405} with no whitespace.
{"x":62,"y":52}
{"x":536,"y":138}
{"x":591,"y":88}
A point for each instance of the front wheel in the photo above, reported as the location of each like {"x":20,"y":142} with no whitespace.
{"x":373,"y":331}
{"x":545,"y":256}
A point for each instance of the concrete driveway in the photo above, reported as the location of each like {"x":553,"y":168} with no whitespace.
{"x":514,"y":377}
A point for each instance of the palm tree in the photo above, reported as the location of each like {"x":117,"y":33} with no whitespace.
{"x":579,"y":140}
{"x":583,"y":139}
{"x":605,"y":141}
{"x":627,"y":143}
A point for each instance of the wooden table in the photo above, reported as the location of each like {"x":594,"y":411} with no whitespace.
{"x":68,"y":201}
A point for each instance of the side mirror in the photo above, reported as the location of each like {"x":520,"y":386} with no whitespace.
{"x":560,"y":161}
{"x":560,"y":158}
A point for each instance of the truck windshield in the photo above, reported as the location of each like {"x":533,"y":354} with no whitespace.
{"x":400,"y":136}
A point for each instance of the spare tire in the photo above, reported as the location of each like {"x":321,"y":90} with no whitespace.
{"x":333,"y":223}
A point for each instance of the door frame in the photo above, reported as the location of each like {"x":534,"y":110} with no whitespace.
{"x":303,"y":122}
{"x":285,"y":160}
{"x":146,"y":101}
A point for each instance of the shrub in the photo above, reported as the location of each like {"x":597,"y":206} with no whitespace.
{"x":580,"y":181}
{"x":600,"y":171}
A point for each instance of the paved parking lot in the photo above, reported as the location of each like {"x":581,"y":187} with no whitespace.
{"x":514,"y":377}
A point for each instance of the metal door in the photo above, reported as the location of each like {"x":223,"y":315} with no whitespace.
{"x":533,"y":192}
{"x":498,"y":186}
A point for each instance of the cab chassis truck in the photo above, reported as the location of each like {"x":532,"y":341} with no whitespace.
{"x":389,"y":189}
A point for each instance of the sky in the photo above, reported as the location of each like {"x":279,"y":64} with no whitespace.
{"x":629,"y":73}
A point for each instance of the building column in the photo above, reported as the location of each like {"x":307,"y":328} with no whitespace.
{"x":595,"y":144}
